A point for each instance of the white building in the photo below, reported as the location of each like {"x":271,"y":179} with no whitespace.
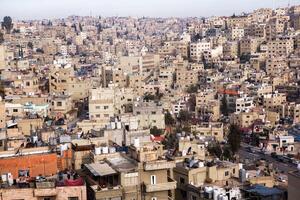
{"x":237,"y":33}
{"x":243,"y":104}
{"x":198,"y":48}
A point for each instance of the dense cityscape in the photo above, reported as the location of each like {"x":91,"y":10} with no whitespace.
{"x":150,"y":108}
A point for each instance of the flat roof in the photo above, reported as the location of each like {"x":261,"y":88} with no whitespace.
{"x":121,"y":163}
{"x":100,"y":169}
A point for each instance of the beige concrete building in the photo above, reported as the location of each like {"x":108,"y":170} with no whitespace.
{"x":2,"y":115}
{"x":101,"y":104}
{"x":149,"y":114}
{"x":248,"y":46}
{"x":280,"y":47}
{"x":213,"y":129}
{"x":186,"y":75}
{"x":276,"y":66}
{"x":185,"y":174}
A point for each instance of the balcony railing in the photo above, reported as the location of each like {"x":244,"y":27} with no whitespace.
{"x":109,"y":192}
{"x":45,"y":192}
{"x":159,"y":164}
{"x":170,"y":185}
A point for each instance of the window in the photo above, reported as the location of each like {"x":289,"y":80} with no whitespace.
{"x":194,"y":197}
{"x":153,"y":179}
{"x":15,"y":110}
{"x":73,"y":198}
{"x":181,"y":180}
{"x":59,"y":103}
{"x":105,"y":107}
{"x":233,"y":171}
{"x":98,"y":115}
{"x":153,"y":198}
{"x":97,"y":107}
{"x":226,"y":173}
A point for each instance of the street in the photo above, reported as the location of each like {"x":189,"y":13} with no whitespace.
{"x":257,"y":155}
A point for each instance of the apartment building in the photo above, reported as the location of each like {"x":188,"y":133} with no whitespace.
{"x":198,"y":48}
{"x":280,"y":47}
{"x":149,"y":114}
{"x":247,"y":119}
{"x":174,"y":48}
{"x":186,"y":76}
{"x":274,"y":101}
{"x":52,"y":188}
{"x":212,"y":129}
{"x":244,"y":104}
{"x":198,"y":173}
{"x":248,"y":46}
{"x":237,"y":33}
{"x":58,"y":80}
{"x":102,"y":104}
{"x":2,"y":115}
{"x":155,"y":173}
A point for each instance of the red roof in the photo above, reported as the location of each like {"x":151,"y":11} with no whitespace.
{"x":231,"y":92}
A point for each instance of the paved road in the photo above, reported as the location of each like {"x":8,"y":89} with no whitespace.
{"x":256,"y":155}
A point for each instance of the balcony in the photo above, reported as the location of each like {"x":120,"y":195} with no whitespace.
{"x":160,"y":164}
{"x":106,"y":193}
{"x":46,"y":192}
{"x":170,"y":185}
{"x":44,"y":189}
{"x":45,"y":184}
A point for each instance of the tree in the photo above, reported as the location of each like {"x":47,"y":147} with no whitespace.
{"x":234,"y":138}
{"x":2,"y":90}
{"x":215,"y":149}
{"x":80,"y":27}
{"x":1,"y":37}
{"x":169,"y":120}
{"x":227,"y":153}
{"x":192,"y":102}
{"x":192,"y":89}
{"x":7,"y":24}
{"x":155,"y":131}
{"x":30,"y":45}
{"x":224,"y":107}
{"x":39,"y":50}
{"x":184,"y":116}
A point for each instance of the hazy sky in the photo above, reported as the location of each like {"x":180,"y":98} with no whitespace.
{"x":37,"y":9}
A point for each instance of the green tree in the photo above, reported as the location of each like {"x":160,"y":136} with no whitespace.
{"x":224,"y":107}
{"x":30,"y":45}
{"x":2,"y":90}
{"x":234,"y":138}
{"x":155,"y":131}
{"x":1,"y":37}
{"x":169,"y":120}
{"x":192,"y":102}
{"x":80,"y":27}
{"x":7,"y":24}
{"x":227,"y":153}
{"x":192,"y":89}
{"x":184,"y":116}
{"x":215,"y":150}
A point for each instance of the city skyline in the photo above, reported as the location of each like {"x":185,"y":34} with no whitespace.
{"x":42,"y":9}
